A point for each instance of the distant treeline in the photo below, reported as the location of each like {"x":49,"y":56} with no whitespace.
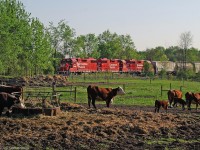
{"x":27,"y":47}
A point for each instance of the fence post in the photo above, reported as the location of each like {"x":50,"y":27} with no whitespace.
{"x":124,"y":87}
{"x":53,"y":86}
{"x":70,"y":90}
{"x":75,"y":94}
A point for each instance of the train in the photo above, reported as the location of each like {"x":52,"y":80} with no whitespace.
{"x":132,"y":66}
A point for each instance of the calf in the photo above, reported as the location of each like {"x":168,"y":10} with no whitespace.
{"x":159,"y":103}
{"x":7,"y":100}
{"x":105,"y":94}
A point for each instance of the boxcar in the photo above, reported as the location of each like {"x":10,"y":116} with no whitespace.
{"x":168,"y":66}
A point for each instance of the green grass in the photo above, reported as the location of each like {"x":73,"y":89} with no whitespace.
{"x":139,"y":91}
{"x":166,"y":141}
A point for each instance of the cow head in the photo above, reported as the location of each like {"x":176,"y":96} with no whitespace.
{"x":120,"y":91}
{"x":18,"y":101}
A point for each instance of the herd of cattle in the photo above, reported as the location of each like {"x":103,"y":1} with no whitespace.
{"x":174,"y":97}
{"x":13,"y":95}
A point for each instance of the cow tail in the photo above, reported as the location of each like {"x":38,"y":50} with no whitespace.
{"x":89,"y":96}
{"x":156,"y":105}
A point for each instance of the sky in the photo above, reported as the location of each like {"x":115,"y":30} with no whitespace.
{"x":150,"y":23}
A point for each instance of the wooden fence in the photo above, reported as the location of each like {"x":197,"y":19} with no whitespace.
{"x":165,"y":90}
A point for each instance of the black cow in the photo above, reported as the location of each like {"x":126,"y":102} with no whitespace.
{"x":7,"y":100}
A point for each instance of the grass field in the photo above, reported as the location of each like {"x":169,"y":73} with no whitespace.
{"x":139,"y":91}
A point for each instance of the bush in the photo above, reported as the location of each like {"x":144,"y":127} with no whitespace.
{"x":162,"y":74}
{"x":187,"y":74}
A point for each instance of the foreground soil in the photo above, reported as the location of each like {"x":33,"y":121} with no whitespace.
{"x":118,"y":127}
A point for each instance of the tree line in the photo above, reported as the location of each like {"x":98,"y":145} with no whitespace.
{"x":27,"y":47}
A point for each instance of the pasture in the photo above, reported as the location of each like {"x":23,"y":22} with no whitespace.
{"x":139,"y":91}
{"x":130,"y":123}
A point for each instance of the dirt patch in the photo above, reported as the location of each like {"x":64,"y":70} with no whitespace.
{"x":118,"y":127}
{"x":40,"y":80}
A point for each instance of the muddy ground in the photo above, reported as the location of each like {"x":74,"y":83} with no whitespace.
{"x":118,"y":127}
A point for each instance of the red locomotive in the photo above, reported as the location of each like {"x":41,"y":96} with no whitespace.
{"x":82,"y":65}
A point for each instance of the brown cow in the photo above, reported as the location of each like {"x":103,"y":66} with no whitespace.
{"x":105,"y":94}
{"x":192,"y":97}
{"x":159,"y":103}
{"x":173,"y":94}
{"x":8,"y":100}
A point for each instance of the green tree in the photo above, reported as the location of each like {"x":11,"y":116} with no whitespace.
{"x":128,"y":50}
{"x":173,"y":53}
{"x":193,"y":55}
{"x":62,"y":40}
{"x":14,"y":29}
{"x":116,"y":46}
{"x":24,"y":45}
{"x":156,"y":54}
{"x":87,"y":46}
{"x":41,"y":52}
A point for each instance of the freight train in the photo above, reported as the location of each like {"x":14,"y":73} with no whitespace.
{"x":133,"y":66}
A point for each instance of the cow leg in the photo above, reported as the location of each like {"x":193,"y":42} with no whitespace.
{"x":183,"y":106}
{"x":1,"y":110}
{"x":196,"y":106}
{"x":189,"y":104}
{"x":158,"y":109}
{"x":170,"y":103}
{"x":156,"y":106}
{"x":8,"y":113}
{"x":89,"y":101}
{"x":93,"y":103}
{"x":108,"y":103}
{"x":175,"y":103}
{"x":165,"y":107}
